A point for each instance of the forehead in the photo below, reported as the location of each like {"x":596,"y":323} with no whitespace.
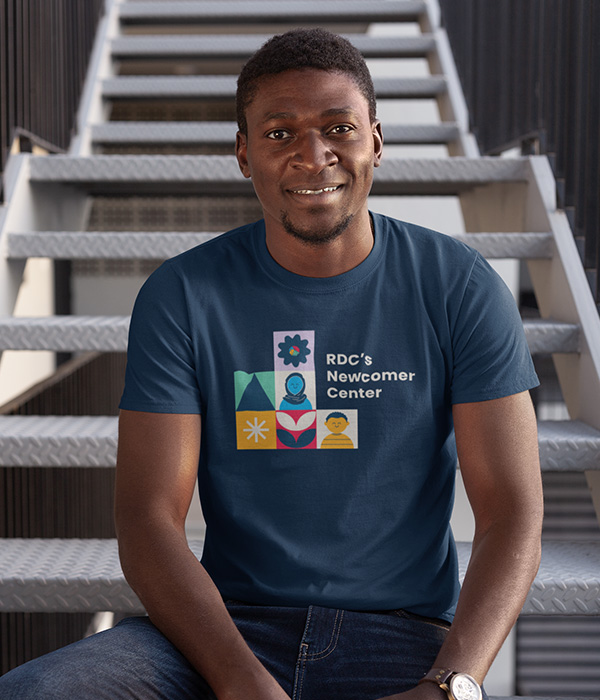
{"x":307,"y":91}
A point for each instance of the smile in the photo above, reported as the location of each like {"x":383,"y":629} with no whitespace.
{"x":320,"y":191}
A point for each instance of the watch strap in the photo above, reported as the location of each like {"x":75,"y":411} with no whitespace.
{"x":438,"y":675}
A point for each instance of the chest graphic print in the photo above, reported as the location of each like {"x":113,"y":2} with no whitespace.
{"x":277,"y":410}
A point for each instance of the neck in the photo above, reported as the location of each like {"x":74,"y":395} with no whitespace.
{"x":329,"y":259}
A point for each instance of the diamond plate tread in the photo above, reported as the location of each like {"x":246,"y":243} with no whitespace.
{"x":79,"y":245}
{"x":547,"y":336}
{"x":272,"y":12}
{"x":91,"y":441}
{"x":64,"y":333}
{"x":223,"y":133}
{"x":526,"y":246}
{"x":224,"y":87}
{"x":75,"y":575}
{"x":58,"y":441}
{"x":568,"y":580}
{"x":221,"y":174}
{"x":242,"y":46}
{"x":165,"y":133}
{"x":444,"y":132}
{"x":568,"y":446}
{"x":109,"y":334}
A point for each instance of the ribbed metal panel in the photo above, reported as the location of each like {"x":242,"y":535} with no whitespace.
{"x":85,"y":575}
{"x":272,"y":12}
{"x":150,"y":245}
{"x":560,"y":655}
{"x":206,"y":87}
{"x":569,"y":512}
{"x":242,"y":46}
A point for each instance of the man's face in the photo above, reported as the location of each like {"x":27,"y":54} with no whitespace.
{"x":310,"y":151}
{"x":336,"y":424}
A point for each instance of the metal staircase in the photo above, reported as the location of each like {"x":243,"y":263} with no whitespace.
{"x":507,"y":205}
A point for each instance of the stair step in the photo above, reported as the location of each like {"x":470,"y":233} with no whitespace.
{"x":157,"y":87}
{"x":157,"y":245}
{"x":75,"y":575}
{"x":58,"y":441}
{"x":221,"y":175}
{"x":76,"y":441}
{"x":522,"y":246}
{"x":223,"y":133}
{"x":547,"y":336}
{"x":291,"y":11}
{"x":567,"y":446}
{"x":64,"y":333}
{"x":109,"y":334}
{"x":232,"y":46}
{"x":103,"y":245}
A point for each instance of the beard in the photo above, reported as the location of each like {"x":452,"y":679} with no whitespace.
{"x":315,"y":237}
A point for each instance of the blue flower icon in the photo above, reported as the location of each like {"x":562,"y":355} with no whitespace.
{"x":294,"y":350}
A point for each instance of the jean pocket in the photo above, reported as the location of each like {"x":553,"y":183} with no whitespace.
{"x":436,"y":621}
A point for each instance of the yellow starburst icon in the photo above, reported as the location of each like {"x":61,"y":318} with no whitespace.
{"x":256,"y":430}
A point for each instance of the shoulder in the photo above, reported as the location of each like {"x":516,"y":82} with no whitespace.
{"x":205,"y":263}
{"x":419,"y":245}
{"x":232,"y":245}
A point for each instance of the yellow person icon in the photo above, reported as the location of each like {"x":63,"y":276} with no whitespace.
{"x":336,"y":423}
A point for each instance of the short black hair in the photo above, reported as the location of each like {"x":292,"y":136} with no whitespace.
{"x":337,"y":414}
{"x":303,"y":48}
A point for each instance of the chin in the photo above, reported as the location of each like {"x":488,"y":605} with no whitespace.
{"x":319,"y":233}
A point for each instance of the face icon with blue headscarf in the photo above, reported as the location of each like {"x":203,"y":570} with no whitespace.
{"x":295,"y":398}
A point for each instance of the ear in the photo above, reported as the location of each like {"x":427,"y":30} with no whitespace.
{"x":377,"y":143}
{"x":241,"y":153}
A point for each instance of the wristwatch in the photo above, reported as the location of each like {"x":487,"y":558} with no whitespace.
{"x":458,"y":686}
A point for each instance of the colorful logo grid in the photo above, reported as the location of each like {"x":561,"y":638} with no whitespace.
{"x":277,"y":410}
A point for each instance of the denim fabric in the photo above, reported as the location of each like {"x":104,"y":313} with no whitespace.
{"x":315,"y":654}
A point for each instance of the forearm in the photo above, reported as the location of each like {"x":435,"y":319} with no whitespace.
{"x":183,"y":602}
{"x":503,"y":564}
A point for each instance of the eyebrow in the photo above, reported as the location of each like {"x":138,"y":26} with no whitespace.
{"x":333,"y":112}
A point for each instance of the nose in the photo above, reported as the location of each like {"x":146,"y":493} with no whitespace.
{"x":313,"y":152}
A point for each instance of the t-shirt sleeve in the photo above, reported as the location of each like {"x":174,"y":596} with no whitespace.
{"x":491,"y":358}
{"x":161,"y":369}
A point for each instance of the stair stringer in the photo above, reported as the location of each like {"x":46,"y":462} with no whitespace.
{"x":563,"y":293}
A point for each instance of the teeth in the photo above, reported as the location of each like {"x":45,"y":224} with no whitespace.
{"x":324,"y":189}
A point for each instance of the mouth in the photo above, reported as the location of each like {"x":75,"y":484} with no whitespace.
{"x":322,"y":190}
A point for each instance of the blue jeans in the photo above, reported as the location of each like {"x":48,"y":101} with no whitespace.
{"x":315,"y":654}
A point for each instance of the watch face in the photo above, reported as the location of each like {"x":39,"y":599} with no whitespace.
{"x":463,"y":687}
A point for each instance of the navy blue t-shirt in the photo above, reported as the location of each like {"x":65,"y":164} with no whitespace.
{"x":328,"y":456}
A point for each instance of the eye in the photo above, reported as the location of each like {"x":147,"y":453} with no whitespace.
{"x":278,"y":134}
{"x":341,"y":129}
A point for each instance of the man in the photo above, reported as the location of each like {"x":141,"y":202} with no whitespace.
{"x":326,"y":574}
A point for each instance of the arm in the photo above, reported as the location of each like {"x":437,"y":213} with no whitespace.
{"x":498,"y":454}
{"x":157,"y":465}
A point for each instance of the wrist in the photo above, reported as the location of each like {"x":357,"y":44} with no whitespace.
{"x":456,"y":685}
